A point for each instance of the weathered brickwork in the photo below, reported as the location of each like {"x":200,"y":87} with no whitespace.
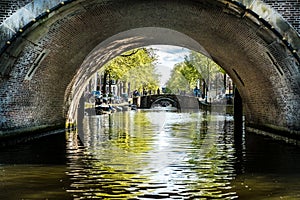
{"x":79,"y":39}
{"x":8,"y":7}
{"x":289,"y":9}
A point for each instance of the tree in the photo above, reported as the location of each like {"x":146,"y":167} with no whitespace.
{"x":195,"y":68}
{"x":178,"y":81}
{"x":136,"y":66}
{"x":142,"y":77}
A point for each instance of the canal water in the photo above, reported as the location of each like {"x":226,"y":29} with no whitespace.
{"x":152,"y":154}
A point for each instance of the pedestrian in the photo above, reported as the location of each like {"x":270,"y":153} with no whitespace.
{"x":144,"y":92}
{"x":136,"y":93}
{"x":196,"y":91}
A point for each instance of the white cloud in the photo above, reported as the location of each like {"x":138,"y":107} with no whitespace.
{"x":168,"y":56}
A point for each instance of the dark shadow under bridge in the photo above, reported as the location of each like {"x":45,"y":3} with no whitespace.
{"x":164,"y":100}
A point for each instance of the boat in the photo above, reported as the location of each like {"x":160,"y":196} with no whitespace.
{"x":103,"y":109}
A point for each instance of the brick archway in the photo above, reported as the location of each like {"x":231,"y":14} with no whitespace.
{"x":48,"y":65}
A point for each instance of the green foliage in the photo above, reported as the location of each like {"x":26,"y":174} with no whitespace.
{"x":204,"y":65}
{"x":167,"y":90}
{"x":178,"y":81}
{"x":135,"y":66}
{"x":196,"y":67}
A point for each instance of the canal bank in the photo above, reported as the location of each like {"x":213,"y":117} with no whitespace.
{"x":12,"y":137}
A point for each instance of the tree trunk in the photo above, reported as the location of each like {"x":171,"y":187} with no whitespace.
{"x":104,"y":82}
{"x":109,"y":84}
{"x":224,"y":82}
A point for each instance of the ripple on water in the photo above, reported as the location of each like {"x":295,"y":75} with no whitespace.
{"x":170,"y":157}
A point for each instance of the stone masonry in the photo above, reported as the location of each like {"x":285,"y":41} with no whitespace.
{"x":44,"y":69}
{"x":289,"y":9}
{"x":8,"y":7}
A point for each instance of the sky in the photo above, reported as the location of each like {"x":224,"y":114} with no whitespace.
{"x":168,"y":56}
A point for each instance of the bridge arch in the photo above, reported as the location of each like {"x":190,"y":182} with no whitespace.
{"x":173,"y":102}
{"x":178,"y":101}
{"x":45,"y":65}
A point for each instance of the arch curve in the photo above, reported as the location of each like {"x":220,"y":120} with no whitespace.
{"x":121,"y":43}
{"x":171,"y":101}
{"x":256,"y":47}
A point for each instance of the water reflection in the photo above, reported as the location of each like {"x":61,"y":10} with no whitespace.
{"x":35,"y":169}
{"x":150,"y":154}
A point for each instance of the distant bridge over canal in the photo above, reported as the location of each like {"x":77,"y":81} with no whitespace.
{"x":178,"y":101}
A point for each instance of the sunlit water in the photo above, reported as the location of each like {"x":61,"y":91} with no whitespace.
{"x":152,"y":154}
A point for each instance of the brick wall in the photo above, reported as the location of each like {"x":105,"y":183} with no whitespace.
{"x":289,"y":9}
{"x":8,"y":7}
{"x":71,"y":35}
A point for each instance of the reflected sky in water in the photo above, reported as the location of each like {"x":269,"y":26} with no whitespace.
{"x":151,"y":154}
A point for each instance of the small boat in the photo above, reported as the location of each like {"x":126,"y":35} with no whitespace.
{"x":119,"y":108}
{"x":103,"y":109}
{"x":133,"y":107}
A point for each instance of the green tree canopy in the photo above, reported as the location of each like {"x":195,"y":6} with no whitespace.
{"x":195,"y":67}
{"x":135,"y":66}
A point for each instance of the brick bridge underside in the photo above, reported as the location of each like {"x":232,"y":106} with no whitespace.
{"x":50,"y":49}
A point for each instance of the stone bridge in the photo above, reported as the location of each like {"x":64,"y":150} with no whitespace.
{"x":178,"y":101}
{"x":49,"y":49}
